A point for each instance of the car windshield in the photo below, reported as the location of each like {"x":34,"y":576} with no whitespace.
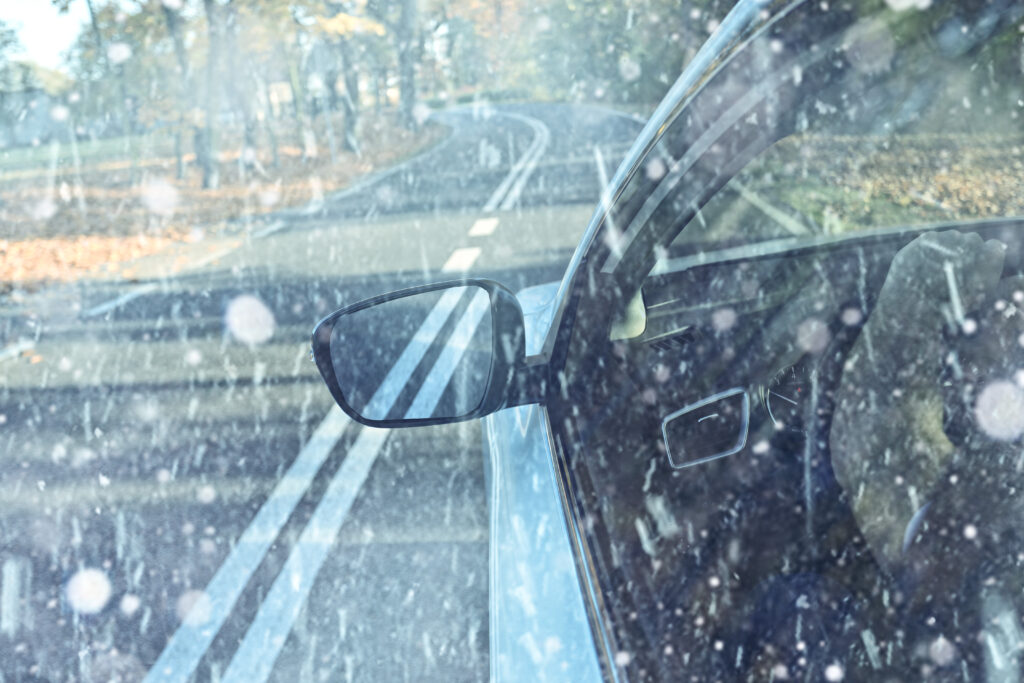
{"x":186,"y":188}
{"x":795,"y":450}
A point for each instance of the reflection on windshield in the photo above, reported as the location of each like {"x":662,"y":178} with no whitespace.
{"x":833,"y":229}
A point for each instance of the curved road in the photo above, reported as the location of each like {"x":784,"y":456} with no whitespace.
{"x":181,"y":505}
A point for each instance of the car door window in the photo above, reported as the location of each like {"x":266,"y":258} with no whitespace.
{"x":800,"y":460}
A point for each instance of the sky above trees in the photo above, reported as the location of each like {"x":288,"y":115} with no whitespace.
{"x":44,"y":32}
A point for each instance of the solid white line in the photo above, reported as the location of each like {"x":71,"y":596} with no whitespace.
{"x":190,"y":641}
{"x":483,"y":227}
{"x":520,"y":165}
{"x":461,"y":260}
{"x":188,"y":644}
{"x":542,"y":137}
{"x":119,"y":301}
{"x":276,"y":226}
{"x":255,"y":657}
{"x":254,"y":660}
{"x":142,"y":290}
{"x":440,"y":375}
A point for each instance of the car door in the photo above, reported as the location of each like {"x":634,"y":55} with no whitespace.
{"x":747,"y":437}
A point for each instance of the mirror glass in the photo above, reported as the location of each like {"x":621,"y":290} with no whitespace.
{"x":422,"y":356}
{"x":709,"y":429}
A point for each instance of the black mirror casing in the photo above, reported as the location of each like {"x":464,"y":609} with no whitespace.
{"x":508,"y":337}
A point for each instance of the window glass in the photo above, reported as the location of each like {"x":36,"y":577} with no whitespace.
{"x":802,"y":461}
{"x":187,"y":187}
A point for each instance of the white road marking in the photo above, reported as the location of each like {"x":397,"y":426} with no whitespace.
{"x":118,"y":301}
{"x":542,"y":135}
{"x":602,"y":173}
{"x":254,"y":660}
{"x":188,"y":644}
{"x":440,"y":375}
{"x":483,"y":227}
{"x":507,"y":193}
{"x":190,"y":641}
{"x":15,"y":349}
{"x":461,"y":260}
{"x":276,"y":226}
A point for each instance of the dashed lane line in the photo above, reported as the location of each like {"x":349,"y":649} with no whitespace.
{"x":483,"y":227}
{"x":461,"y":260}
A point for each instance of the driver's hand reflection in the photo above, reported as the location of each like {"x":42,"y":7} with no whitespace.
{"x":889,"y":449}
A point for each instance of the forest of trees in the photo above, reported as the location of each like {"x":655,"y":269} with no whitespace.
{"x":198,"y":67}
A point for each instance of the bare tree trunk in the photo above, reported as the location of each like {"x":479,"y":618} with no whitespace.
{"x":211,"y":169}
{"x":184,"y":88}
{"x":179,"y":154}
{"x":351,"y":96}
{"x":407,"y":44}
{"x":380,"y":86}
{"x":101,"y":49}
{"x":268,"y":121}
{"x":309,"y":145}
{"x":240,"y":77}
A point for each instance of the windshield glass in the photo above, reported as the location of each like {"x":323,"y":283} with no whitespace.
{"x":796,"y":449}
{"x":186,"y":188}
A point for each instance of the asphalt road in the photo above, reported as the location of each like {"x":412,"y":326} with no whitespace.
{"x":180,"y":502}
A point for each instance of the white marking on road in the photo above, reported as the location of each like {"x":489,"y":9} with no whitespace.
{"x":461,"y":260}
{"x":507,"y":193}
{"x":602,"y":174}
{"x":128,"y":296}
{"x":186,"y":647}
{"x":254,"y":660}
{"x":14,"y":349}
{"x":483,"y":227}
{"x":441,"y":374}
{"x":190,"y":641}
{"x":148,"y":288}
{"x":215,"y":256}
{"x":276,"y":226}
{"x":542,"y":135}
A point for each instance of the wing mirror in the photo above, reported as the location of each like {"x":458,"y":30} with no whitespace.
{"x":435,"y":354}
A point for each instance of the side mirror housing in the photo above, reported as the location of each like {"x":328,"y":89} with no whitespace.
{"x":435,"y":354}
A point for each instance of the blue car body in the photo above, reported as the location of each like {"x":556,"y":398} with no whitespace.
{"x":538,"y":623}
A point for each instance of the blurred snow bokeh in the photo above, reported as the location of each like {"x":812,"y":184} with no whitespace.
{"x":999,"y":410}
{"x":88,"y":591}
{"x":249,"y":320}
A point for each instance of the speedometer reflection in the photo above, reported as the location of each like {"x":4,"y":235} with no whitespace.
{"x":783,"y":397}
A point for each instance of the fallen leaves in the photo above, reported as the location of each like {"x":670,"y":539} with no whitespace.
{"x":93,"y":219}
